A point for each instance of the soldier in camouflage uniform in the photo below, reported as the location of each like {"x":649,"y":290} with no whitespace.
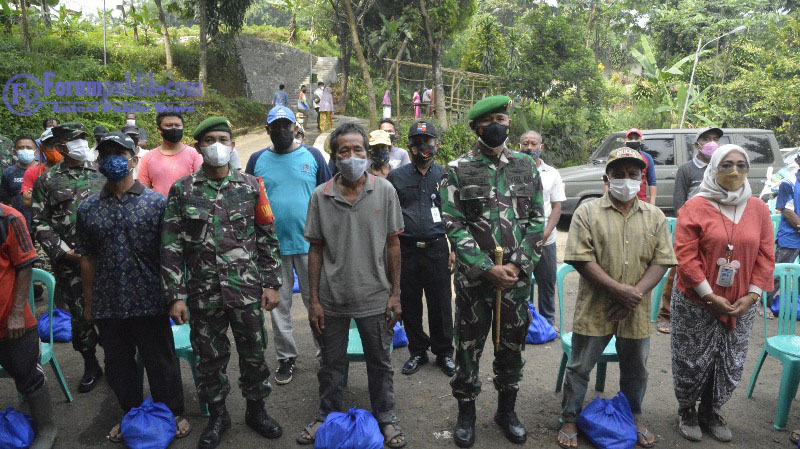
{"x":6,"y":150}
{"x":491,"y":197}
{"x":56,"y":196}
{"x":220,"y":257}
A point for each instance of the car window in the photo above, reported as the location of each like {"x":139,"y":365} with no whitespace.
{"x":662,"y":149}
{"x":612,"y":142}
{"x":758,"y":148}
{"x":690,"y":143}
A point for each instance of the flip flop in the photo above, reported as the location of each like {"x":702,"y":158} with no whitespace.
{"x":309,"y":430}
{"x":569,"y":437}
{"x":115,"y":438}
{"x":644,"y":435}
{"x":396,"y":433}
{"x":663,"y":327}
{"x":178,"y":421}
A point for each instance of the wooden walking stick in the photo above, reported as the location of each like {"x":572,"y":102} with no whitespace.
{"x":498,"y":260}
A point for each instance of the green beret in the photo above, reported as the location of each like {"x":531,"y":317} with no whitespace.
{"x":212,"y":124}
{"x":497,"y":103}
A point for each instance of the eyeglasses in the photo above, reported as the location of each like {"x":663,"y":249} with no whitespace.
{"x":727,"y":167}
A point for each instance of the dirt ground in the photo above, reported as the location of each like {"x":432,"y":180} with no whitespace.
{"x":424,"y":404}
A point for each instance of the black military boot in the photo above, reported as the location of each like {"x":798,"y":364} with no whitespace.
{"x":464,"y":435}
{"x":91,"y":372}
{"x":507,"y":419}
{"x":218,"y":423}
{"x":256,"y":418}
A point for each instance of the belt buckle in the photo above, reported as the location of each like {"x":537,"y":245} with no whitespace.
{"x":422,"y":245}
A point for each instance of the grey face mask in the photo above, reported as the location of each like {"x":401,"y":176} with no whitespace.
{"x":352,"y":168}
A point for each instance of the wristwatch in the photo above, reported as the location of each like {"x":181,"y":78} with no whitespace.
{"x":754,"y":296}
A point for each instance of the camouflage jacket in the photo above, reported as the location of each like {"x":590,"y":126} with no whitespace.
{"x":485,"y":205}
{"x":6,"y":150}
{"x":56,"y":196}
{"x":214,"y":250}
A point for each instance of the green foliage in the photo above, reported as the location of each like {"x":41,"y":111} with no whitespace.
{"x":486,"y":50}
{"x":320,"y":47}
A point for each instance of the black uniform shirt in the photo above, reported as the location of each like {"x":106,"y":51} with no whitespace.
{"x":419,"y":194}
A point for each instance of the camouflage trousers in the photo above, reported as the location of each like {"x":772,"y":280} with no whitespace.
{"x":70,"y":291}
{"x":210,"y":342}
{"x":473,"y":322}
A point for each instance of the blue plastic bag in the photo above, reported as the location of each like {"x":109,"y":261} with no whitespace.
{"x":775,"y":307}
{"x":356,"y":429}
{"x":608,"y":423}
{"x":400,"y":338}
{"x":62,"y":327}
{"x":296,"y":287}
{"x":539,"y":331}
{"x":16,"y":431}
{"x":149,"y":426}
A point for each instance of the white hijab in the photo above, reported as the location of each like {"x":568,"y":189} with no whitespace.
{"x":713,"y":191}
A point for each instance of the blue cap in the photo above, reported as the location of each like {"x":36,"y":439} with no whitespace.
{"x":280,"y":112}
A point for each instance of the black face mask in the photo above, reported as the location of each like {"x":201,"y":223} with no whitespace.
{"x":282,"y":140}
{"x":424,"y":153}
{"x":494,"y":134}
{"x":173,"y":135}
{"x":634,"y":144}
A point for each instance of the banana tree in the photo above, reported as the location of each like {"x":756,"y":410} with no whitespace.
{"x":662,"y":79}
{"x":292,"y":7}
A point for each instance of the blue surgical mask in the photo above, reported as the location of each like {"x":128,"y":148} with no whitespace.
{"x":114,"y":167}
{"x":26,"y":156}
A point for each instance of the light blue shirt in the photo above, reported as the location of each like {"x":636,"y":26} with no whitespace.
{"x":289,"y":179}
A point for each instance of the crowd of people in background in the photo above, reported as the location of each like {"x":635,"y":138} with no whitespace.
{"x":135,"y":237}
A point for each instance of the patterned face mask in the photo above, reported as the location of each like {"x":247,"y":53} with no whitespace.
{"x":114,"y":167}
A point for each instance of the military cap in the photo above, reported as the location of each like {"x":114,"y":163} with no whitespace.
{"x":212,"y":124}
{"x":99,"y":130}
{"x":117,"y":138}
{"x":625,"y":153}
{"x":422,"y":128}
{"x":497,"y":103}
{"x":69,"y":131}
{"x":130,"y":130}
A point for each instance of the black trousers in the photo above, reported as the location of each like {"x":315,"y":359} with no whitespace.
{"x":152,"y":337}
{"x":20,"y":358}
{"x":425,"y":270}
{"x":317,"y":110}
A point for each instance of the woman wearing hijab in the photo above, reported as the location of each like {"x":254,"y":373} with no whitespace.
{"x":417,"y":102}
{"x":387,"y":105}
{"x":326,"y":109}
{"x":725,"y":249}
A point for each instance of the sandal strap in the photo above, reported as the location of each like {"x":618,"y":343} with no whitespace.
{"x":569,"y":437}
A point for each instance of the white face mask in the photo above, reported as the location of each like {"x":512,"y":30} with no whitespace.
{"x":624,"y":189}
{"x":216,"y":154}
{"x":130,"y":122}
{"x":78,"y":149}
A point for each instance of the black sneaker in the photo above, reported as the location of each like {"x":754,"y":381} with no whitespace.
{"x":284,"y":373}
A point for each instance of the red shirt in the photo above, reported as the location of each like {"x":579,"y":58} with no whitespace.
{"x":642,"y":195}
{"x":701,"y":239}
{"x":31,"y":175}
{"x":16,"y":251}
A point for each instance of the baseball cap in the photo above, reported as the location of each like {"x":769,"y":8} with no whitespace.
{"x":279,"y":112}
{"x":130,"y":129}
{"x":634,"y":131}
{"x":625,"y":153}
{"x":705,"y":130}
{"x":69,"y":131}
{"x":379,"y":137}
{"x":117,"y":138}
{"x":422,"y":127}
{"x":99,"y":130}
{"x":47,"y":136}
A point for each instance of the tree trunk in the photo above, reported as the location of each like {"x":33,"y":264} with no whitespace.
{"x":133,"y":20}
{"x":167,"y":43}
{"x":46,"y":14}
{"x":436,"y":62}
{"x":202,"y":10}
{"x":373,"y":113}
{"x":390,"y":73}
{"x":27,"y":41}
{"x":293,"y":28}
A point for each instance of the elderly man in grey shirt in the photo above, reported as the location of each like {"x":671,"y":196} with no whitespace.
{"x":353,"y":225}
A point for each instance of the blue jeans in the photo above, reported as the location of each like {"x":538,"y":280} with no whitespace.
{"x":586,"y":351}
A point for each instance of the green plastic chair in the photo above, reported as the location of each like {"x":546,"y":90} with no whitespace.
{"x":609,"y":353}
{"x":655,"y":297}
{"x":671,"y":223}
{"x":784,"y":345}
{"x":355,"y":350}
{"x":183,"y":350}
{"x":771,"y":205}
{"x":47,"y":354}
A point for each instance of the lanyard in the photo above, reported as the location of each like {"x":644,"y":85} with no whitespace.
{"x":733,"y":228}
